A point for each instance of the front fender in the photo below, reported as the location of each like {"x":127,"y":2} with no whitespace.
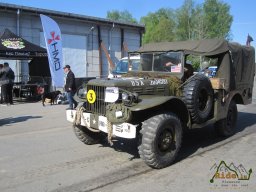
{"x":167,"y":103}
{"x":150,"y":101}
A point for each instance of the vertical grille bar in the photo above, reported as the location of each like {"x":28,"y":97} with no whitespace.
{"x":99,"y":106}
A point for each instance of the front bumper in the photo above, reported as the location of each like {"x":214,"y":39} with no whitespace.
{"x":123,"y":130}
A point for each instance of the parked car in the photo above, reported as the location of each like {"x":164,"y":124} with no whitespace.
{"x":126,"y":64}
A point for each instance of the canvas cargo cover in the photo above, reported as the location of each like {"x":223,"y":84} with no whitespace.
{"x":243,"y":58}
{"x":201,"y":47}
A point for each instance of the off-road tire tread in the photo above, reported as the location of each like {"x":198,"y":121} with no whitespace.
{"x":190,"y":94}
{"x":148,"y":133}
{"x":86,"y":136}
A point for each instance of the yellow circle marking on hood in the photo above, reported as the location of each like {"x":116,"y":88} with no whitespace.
{"x":91,"y":96}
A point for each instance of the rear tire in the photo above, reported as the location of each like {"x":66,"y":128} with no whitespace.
{"x":161,"y":140}
{"x":227,"y":127}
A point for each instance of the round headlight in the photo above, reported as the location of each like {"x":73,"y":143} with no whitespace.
{"x":125,"y":96}
{"x":111,"y":94}
{"x":82,"y":93}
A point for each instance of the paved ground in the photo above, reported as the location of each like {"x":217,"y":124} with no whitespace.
{"x":39,"y":152}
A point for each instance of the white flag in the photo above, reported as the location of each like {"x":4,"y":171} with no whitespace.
{"x":52,"y":36}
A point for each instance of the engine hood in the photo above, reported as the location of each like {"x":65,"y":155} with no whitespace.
{"x":129,"y":82}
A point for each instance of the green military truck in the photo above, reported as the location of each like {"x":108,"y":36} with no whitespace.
{"x":157,"y":102}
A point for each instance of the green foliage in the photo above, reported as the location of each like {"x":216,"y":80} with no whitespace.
{"x":217,"y":19}
{"x":123,"y":16}
{"x":185,"y":20}
{"x":195,"y":60}
{"x":160,"y":26}
{"x":190,"y":22}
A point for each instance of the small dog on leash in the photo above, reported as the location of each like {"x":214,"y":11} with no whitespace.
{"x":51,"y":95}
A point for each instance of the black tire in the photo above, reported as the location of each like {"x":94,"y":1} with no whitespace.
{"x":198,"y":96}
{"x":161,"y":138}
{"x":227,"y":127}
{"x":86,"y":136}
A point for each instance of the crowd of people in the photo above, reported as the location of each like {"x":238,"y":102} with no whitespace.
{"x":7,"y":77}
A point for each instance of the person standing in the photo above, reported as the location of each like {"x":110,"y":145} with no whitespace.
{"x":9,"y":85}
{"x":1,"y":83}
{"x":70,"y":87}
{"x":188,"y":70}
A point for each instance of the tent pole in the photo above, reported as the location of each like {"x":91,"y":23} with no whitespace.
{"x":18,"y":22}
{"x":18,"y":62}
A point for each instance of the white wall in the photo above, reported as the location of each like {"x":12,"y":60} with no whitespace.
{"x":80,"y":42}
{"x":74,"y":52}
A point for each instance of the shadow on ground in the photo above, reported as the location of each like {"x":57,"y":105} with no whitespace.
{"x":192,"y":141}
{"x":203,"y":138}
{"x":10,"y":120}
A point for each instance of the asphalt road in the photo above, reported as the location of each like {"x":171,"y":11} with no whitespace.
{"x":39,"y":152}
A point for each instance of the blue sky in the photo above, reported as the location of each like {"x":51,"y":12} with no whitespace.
{"x":244,"y":12}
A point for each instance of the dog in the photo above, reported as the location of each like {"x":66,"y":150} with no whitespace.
{"x":51,"y":95}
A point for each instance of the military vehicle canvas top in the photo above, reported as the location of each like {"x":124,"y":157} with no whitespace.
{"x":158,"y":101}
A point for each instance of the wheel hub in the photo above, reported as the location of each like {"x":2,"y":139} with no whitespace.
{"x":202,"y":100}
{"x":165,"y":141}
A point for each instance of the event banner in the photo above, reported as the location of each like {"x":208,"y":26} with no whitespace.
{"x":53,"y":43}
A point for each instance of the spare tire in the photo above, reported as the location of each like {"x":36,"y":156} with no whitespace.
{"x":198,"y":96}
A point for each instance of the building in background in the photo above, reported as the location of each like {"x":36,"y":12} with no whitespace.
{"x":81,"y":37}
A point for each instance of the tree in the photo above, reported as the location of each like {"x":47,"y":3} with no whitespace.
{"x":217,"y":20}
{"x":185,"y":21}
{"x":190,"y":22}
{"x":160,"y":26}
{"x":123,"y":16}
{"x":198,"y":21}
{"x":209,"y":20}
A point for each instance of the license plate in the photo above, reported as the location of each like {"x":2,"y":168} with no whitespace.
{"x":124,"y":130}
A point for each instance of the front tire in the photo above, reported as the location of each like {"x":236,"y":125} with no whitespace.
{"x":227,"y":127}
{"x":86,"y":136}
{"x":161,"y":140}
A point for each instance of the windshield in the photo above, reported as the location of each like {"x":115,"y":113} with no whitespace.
{"x":162,"y":62}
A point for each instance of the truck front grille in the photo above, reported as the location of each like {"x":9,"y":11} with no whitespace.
{"x":99,"y":106}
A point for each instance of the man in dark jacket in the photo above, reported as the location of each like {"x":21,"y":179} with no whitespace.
{"x":6,"y":80}
{"x":1,"y":83}
{"x":70,"y":87}
{"x":9,"y":86}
